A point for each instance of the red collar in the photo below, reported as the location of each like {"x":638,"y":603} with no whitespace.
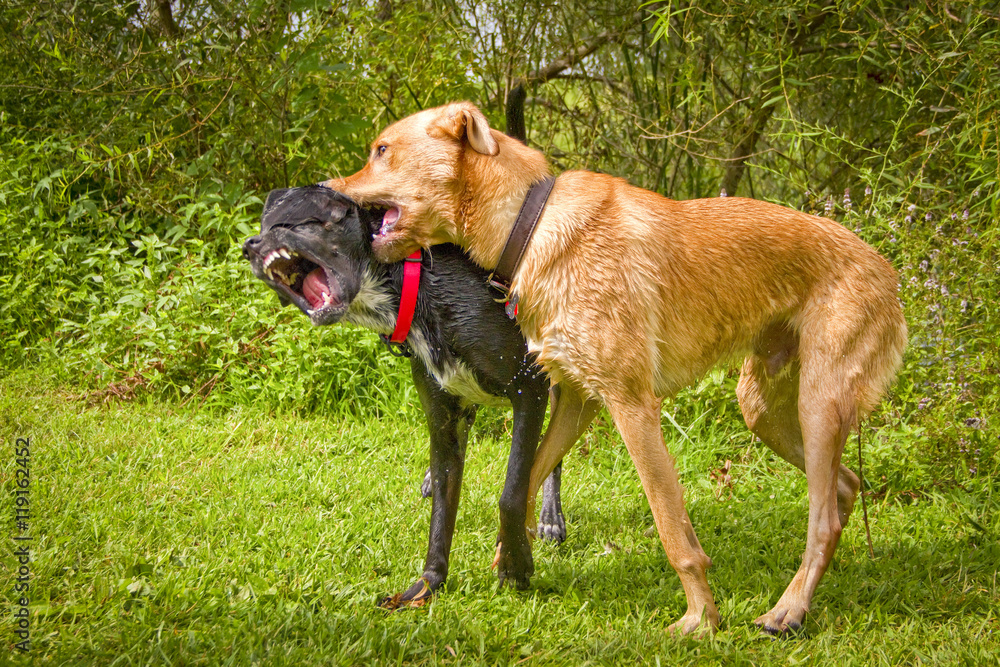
{"x":408,"y":299}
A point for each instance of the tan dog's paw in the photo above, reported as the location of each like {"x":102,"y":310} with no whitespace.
{"x":782,"y":621}
{"x":698,"y":624}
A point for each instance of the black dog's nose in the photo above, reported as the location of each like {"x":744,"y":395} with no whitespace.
{"x":250,"y":246}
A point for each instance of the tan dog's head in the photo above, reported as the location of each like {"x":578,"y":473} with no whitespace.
{"x":415,"y":170}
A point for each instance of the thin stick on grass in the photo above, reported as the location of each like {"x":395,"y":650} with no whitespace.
{"x":864,"y":505}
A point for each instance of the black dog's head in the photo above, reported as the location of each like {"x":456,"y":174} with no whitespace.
{"x":313,"y":247}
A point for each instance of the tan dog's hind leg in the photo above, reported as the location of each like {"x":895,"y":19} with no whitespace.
{"x":825,"y":433}
{"x":834,"y":371}
{"x":638,"y":423}
{"x":571,"y":415}
{"x":770,"y":406}
{"x":827,"y":379}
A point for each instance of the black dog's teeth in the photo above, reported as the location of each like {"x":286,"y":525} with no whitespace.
{"x":287,"y":267}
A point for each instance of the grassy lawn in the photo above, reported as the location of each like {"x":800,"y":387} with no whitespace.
{"x":176,"y":535}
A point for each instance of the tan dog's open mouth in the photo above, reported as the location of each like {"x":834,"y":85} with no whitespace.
{"x":389,"y":220}
{"x":386,"y":241}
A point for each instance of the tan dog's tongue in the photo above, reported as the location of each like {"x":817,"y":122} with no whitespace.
{"x":315,"y":289}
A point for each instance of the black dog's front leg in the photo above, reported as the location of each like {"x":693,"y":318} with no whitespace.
{"x":448,"y":422}
{"x":514,"y":562}
{"x":551,"y":523}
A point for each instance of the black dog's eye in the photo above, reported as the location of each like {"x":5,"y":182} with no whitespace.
{"x":288,"y":224}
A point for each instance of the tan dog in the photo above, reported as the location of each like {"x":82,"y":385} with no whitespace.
{"x":627,"y":297}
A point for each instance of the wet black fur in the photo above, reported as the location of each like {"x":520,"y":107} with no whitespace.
{"x":459,"y":321}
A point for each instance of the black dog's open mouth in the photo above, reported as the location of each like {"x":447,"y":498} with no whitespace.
{"x":305,"y":281}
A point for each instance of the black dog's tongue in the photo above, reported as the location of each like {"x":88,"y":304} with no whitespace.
{"x":315,"y":288}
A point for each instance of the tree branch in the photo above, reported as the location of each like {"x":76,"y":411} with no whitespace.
{"x":170,"y":27}
{"x":753,"y":125}
{"x":514,"y":106}
{"x":543,"y":74}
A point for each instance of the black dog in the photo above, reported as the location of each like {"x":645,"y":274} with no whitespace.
{"x":314,"y":250}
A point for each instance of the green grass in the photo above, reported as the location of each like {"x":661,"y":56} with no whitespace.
{"x":184,"y":535}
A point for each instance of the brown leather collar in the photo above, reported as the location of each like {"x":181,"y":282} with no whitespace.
{"x":524,"y":227}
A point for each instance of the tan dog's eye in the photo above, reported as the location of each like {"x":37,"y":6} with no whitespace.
{"x":380,"y":150}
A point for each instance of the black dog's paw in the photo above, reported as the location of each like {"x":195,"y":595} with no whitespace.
{"x":425,"y":488}
{"x":514,"y":563}
{"x":551,"y":525}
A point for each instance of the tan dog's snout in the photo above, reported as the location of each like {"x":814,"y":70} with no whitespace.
{"x":413,"y":167}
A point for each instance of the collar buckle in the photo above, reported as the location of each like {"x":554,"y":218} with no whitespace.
{"x":520,"y":235}
{"x":500,"y":286}
{"x":396,"y":349}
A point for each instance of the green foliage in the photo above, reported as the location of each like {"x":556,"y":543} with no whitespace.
{"x":242,"y":98}
{"x":814,"y":95}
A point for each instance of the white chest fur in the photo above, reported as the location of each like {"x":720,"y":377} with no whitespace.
{"x":371,"y":309}
{"x":453,"y":375}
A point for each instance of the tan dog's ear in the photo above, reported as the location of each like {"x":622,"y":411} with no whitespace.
{"x":463,"y":121}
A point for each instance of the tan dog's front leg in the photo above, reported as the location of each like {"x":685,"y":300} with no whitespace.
{"x":639,"y":426}
{"x":571,"y":415}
